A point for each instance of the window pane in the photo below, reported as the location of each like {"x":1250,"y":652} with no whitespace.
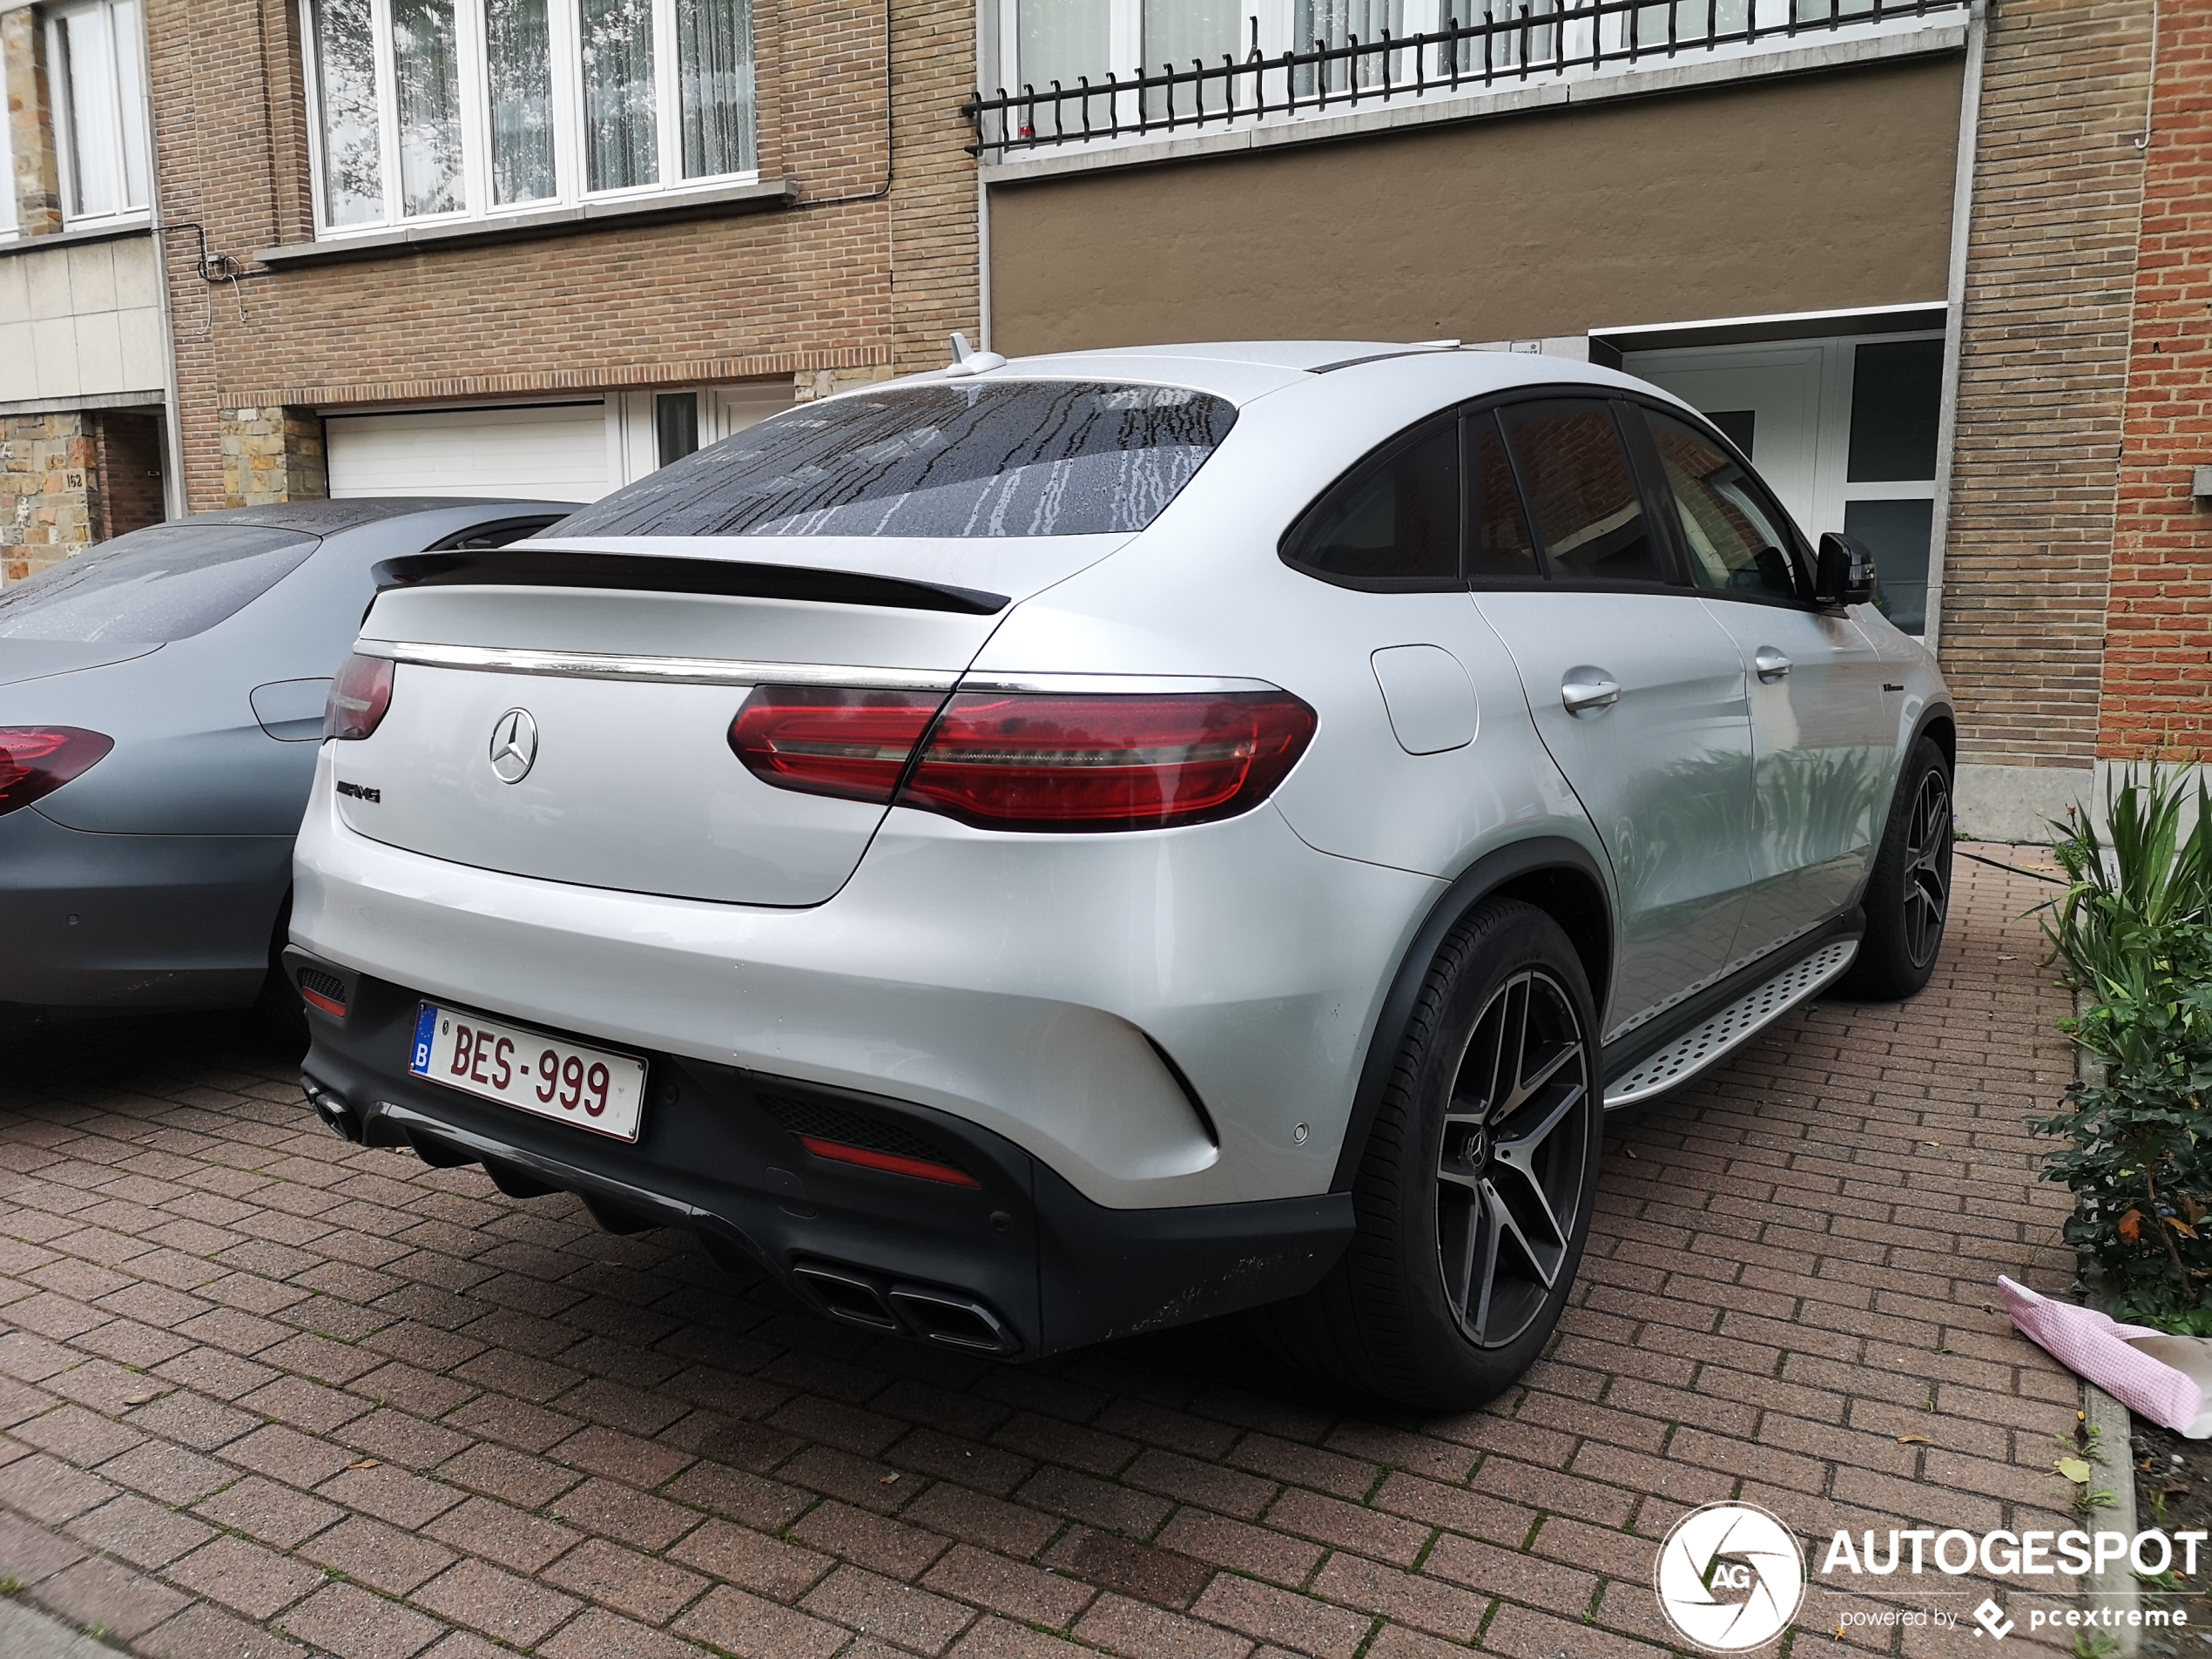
{"x":714,"y":65}
{"x":1177,"y":32}
{"x":622,"y":146}
{"x":94,"y":185}
{"x":1581,"y":492}
{"x":152,"y":586}
{"x":1735,"y":542}
{"x":1395,"y":519}
{"x":1060,"y":40}
{"x":352,"y":170}
{"x":1897,"y":395}
{"x":1897,"y":532}
{"x":676,"y":425}
{"x":427,"y":68}
{"x":1036,"y":458}
{"x":1334,"y":22}
{"x":131,"y":112}
{"x":1501,"y":545}
{"x":519,"y":64}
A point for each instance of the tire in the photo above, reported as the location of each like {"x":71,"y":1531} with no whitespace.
{"x":1908,"y":896}
{"x":1472,"y":1195}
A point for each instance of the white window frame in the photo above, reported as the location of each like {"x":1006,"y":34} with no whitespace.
{"x":565,"y":31}
{"x":122,"y":128}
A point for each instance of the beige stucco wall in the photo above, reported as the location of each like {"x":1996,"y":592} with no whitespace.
{"x":1810,"y":193}
{"x":82,"y":320}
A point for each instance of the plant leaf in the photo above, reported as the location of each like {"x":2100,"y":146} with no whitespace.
{"x":2073,"y":1469}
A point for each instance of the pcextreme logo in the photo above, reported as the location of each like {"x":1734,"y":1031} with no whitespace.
{"x":1729,"y":1577}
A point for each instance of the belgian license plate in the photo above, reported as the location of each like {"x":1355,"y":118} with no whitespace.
{"x":589,"y":1087}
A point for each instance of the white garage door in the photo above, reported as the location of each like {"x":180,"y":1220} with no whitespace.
{"x":558,"y":451}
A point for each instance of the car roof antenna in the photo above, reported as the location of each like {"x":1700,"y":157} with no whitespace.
{"x":967,"y":360}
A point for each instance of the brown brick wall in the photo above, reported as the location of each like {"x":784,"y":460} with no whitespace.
{"x":2158,"y":650}
{"x":2043,"y":375}
{"x":873,"y":265}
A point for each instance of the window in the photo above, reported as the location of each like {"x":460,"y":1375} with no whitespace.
{"x":1498,"y":547}
{"x":96,"y":69}
{"x":1392,"y":522}
{"x":1581,"y":492}
{"x":1889,"y":477}
{"x":676,"y":426}
{"x":455,"y":109}
{"x":169,"y":582}
{"x":1735,"y":536}
{"x":979,"y":459}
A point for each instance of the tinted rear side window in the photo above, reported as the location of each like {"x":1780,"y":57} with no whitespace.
{"x":169,"y":582}
{"x":1393,"y":520}
{"x":971,"y":459}
{"x":1581,"y":492}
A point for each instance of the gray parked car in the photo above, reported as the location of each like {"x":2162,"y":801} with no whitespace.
{"x":161,"y":703}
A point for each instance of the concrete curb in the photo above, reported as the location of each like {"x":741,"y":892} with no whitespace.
{"x":26,"y":1633}
{"x":2117,"y":1587}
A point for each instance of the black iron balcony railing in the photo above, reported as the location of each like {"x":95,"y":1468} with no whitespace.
{"x":1511,"y":43}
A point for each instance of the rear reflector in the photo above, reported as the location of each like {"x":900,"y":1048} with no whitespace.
{"x":1091,"y":761}
{"x":868,"y":1158}
{"x":359,"y":697}
{"x":35,"y":760}
{"x":852,"y":744}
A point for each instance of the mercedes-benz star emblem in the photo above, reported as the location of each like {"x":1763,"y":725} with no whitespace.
{"x":514,"y":746}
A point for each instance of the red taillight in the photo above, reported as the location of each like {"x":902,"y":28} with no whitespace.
{"x":359,"y":697}
{"x":1040,"y":761}
{"x":852,"y":744}
{"x":35,"y":760}
{"x":1101,"y":761}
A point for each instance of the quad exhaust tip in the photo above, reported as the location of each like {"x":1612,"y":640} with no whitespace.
{"x":946,"y":1318}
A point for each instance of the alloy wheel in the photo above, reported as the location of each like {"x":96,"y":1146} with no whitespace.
{"x":1927,"y":869}
{"x":1510,"y":1173}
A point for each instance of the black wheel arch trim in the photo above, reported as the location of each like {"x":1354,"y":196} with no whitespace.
{"x":1935,"y":714}
{"x":1477,"y":882}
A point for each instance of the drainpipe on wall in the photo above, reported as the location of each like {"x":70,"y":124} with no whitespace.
{"x":1962,"y":204}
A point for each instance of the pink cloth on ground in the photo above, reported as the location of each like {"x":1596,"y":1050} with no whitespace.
{"x":2095,"y":1345}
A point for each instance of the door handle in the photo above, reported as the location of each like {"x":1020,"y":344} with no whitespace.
{"x":1771,"y":663}
{"x":1586,"y":689}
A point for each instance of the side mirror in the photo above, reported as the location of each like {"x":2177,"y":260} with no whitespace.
{"x":1845,"y":572}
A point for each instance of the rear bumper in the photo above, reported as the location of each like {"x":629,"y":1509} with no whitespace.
{"x":135,"y":921}
{"x":1038,"y":1266}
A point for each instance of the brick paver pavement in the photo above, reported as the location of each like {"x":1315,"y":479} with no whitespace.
{"x":265,"y":1392}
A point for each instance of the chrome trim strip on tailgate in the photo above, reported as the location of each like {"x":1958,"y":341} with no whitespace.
{"x":666,"y":670}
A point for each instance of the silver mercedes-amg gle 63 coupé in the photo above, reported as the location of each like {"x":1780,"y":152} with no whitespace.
{"x":1045,"y":850}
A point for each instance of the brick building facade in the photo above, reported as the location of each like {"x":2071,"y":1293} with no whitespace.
{"x":2157,"y":679}
{"x":84,"y":369}
{"x":847,"y":252}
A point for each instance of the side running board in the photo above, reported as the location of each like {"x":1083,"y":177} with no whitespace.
{"x":1733,"y":1026}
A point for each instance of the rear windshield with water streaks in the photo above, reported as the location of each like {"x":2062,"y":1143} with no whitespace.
{"x":164,"y":583}
{"x":965,"y":459}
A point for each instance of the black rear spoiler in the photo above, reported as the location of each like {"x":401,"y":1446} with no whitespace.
{"x":520,"y":567}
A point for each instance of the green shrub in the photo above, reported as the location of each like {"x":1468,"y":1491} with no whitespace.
{"x":2132,"y":935}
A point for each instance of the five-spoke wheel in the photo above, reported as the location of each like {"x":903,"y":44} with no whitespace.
{"x":1908,"y":893}
{"x":1473,"y":1194}
{"x":1510,"y":1164}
